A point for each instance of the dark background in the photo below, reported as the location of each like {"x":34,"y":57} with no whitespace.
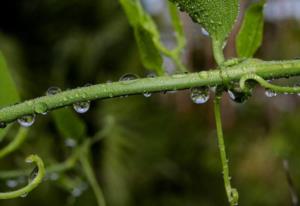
{"x":163,"y":149}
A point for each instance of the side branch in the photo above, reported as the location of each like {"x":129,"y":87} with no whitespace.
{"x":264,"y":69}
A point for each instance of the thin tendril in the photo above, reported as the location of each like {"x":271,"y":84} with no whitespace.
{"x":232,"y":193}
{"x":33,"y":184}
{"x":267,"y":85}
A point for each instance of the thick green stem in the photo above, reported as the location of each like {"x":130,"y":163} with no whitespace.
{"x":232,"y":193}
{"x":266,"y":70}
{"x":32,"y":185}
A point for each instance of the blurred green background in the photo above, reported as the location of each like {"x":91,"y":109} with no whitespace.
{"x":160,"y":150}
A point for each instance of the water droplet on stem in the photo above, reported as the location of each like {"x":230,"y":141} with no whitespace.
{"x":27,"y":120}
{"x":200,"y":95}
{"x":53,"y":91}
{"x":81,"y":107}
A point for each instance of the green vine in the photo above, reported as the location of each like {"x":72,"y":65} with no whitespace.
{"x":232,"y":193}
{"x":266,"y":85}
{"x":33,"y":184}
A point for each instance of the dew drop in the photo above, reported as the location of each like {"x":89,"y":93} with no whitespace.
{"x":128,"y":77}
{"x":151,"y":75}
{"x":81,"y":107}
{"x":147,"y":94}
{"x":27,"y":120}
{"x":24,"y":195}
{"x":3,"y":125}
{"x":12,"y":183}
{"x":238,"y":97}
{"x":204,"y":32}
{"x":41,"y":108}
{"x":200,"y":95}
{"x":53,"y":91}
{"x":270,"y":93}
{"x":33,"y":174}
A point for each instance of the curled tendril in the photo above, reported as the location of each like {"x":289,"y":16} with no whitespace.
{"x":33,"y":184}
{"x":267,"y":85}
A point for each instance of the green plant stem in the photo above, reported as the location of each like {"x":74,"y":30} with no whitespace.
{"x":16,"y":143}
{"x":232,"y":193}
{"x":264,"y":69}
{"x":218,"y":51}
{"x":32,"y":185}
{"x":267,"y":85}
{"x":88,"y":170}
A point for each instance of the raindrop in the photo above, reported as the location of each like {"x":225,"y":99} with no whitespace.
{"x":238,"y":97}
{"x":200,"y":95}
{"x":12,"y":183}
{"x":147,"y":94}
{"x":24,"y":195}
{"x":2,"y":125}
{"x":27,"y":120}
{"x":33,"y":174}
{"x":204,"y":32}
{"x":70,"y":142}
{"x":128,"y":77}
{"x":53,"y":91}
{"x":81,"y":107}
{"x":41,"y":108}
{"x":151,"y":75}
{"x":270,"y":93}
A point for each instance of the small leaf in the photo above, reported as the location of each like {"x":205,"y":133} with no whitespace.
{"x":150,"y":56}
{"x":250,"y":35}
{"x":217,"y":17}
{"x":8,"y":90}
{"x":69,"y":124}
{"x":146,"y":35}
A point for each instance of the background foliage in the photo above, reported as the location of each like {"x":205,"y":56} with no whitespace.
{"x":156,"y":151}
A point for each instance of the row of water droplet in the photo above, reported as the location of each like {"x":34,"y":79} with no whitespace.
{"x":199,"y":95}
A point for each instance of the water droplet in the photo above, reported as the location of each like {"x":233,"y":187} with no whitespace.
{"x":200,"y":95}
{"x":147,"y":94}
{"x":204,"y":32}
{"x":81,"y":107}
{"x":270,"y":93}
{"x":12,"y":183}
{"x":128,"y":77}
{"x":27,"y":120}
{"x":151,"y":75}
{"x":24,"y":195}
{"x":33,"y":174}
{"x":238,"y":97}
{"x":53,"y":91}
{"x":70,"y":142}
{"x":3,"y":125}
{"x":41,"y":108}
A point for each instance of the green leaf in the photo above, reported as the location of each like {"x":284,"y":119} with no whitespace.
{"x":250,"y":35}
{"x":8,"y":90}
{"x":146,"y":35}
{"x":217,"y":17}
{"x":69,"y":124}
{"x":150,"y":56}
